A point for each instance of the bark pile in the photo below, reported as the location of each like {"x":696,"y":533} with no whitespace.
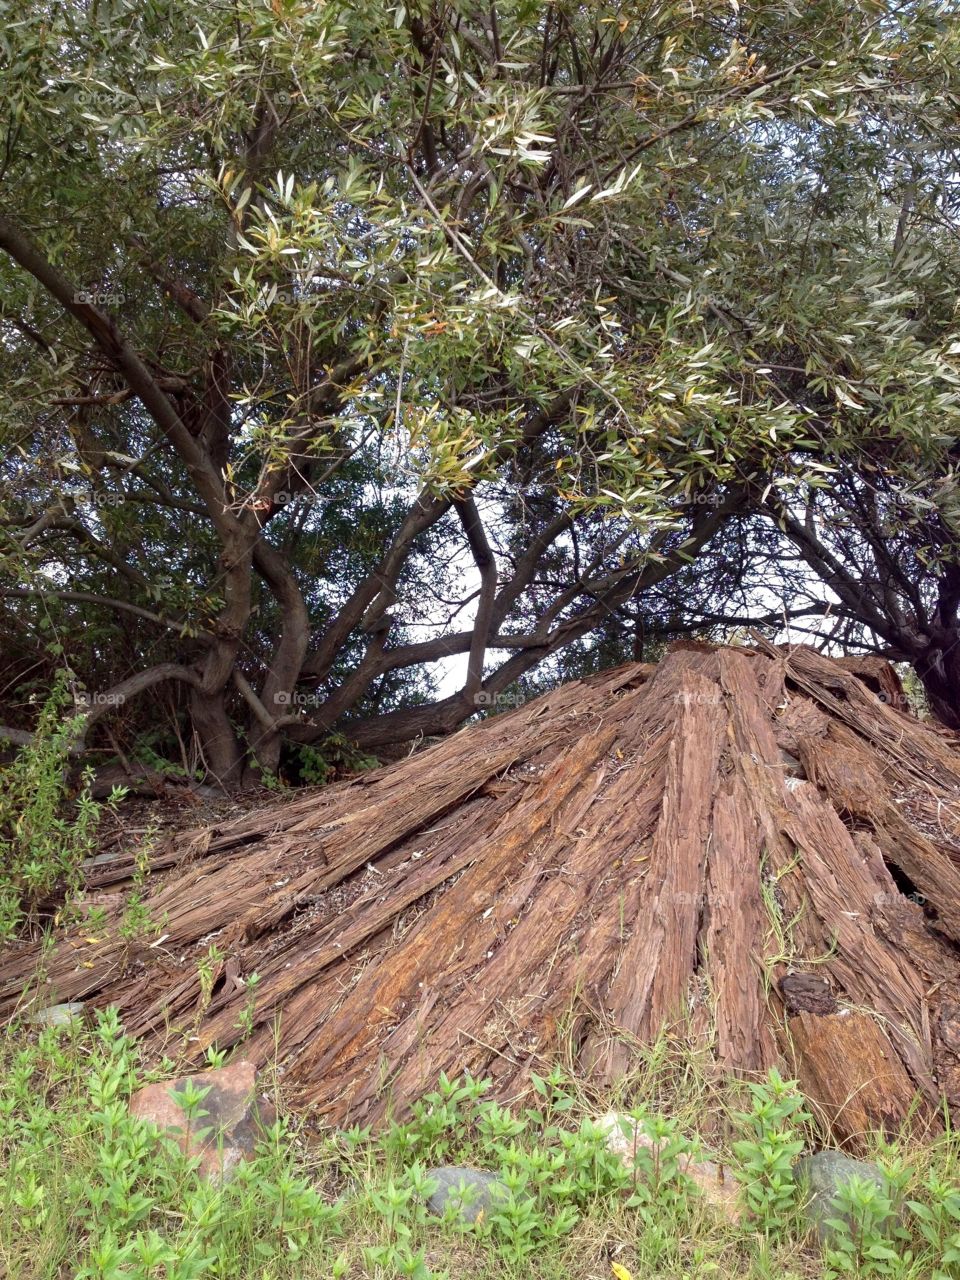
{"x":757,"y":848}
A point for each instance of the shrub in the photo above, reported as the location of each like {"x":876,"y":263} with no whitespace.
{"x":43,"y":838}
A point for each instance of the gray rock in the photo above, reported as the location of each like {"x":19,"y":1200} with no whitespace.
{"x":58,"y":1015}
{"x":824,"y":1174}
{"x":470,"y":1191}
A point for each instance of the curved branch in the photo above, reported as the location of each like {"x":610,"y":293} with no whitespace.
{"x":483,"y":557}
{"x":607,"y":593}
{"x":137,"y":683}
{"x":122,"y":606}
{"x":123,"y":357}
{"x":103,"y":703}
{"x":376,"y":593}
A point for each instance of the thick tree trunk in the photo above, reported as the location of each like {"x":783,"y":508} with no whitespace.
{"x":221,"y":748}
{"x":938,"y":668}
{"x":286,"y":662}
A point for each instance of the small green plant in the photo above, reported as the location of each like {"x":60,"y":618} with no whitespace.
{"x":44,"y":839}
{"x":440,"y":1118}
{"x":660,"y":1184}
{"x":863,"y":1242}
{"x":400,"y":1204}
{"x":271,"y":781}
{"x":767,"y":1154}
{"x":89,"y":1190}
{"x":335,"y":755}
{"x":136,"y":920}
{"x":245,"y":1018}
{"x":207,"y":968}
{"x":96,"y":918}
{"x":551,"y":1172}
{"x":189,"y":1098}
{"x":144,"y":754}
{"x":938,"y":1221}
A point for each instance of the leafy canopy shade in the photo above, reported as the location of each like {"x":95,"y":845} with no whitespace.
{"x":341,"y":339}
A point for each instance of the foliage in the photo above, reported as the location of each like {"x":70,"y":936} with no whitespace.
{"x":316,"y":317}
{"x":87,"y":1181}
{"x":863,"y":1244}
{"x":767,"y":1156}
{"x":87,"y":1188}
{"x":938,"y":1221}
{"x":44,"y":838}
{"x":335,"y":756}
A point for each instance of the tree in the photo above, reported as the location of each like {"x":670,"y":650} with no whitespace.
{"x":326,"y":327}
{"x":892,"y":563}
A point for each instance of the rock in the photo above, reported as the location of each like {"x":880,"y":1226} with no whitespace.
{"x":717,"y":1188}
{"x":807,"y":993}
{"x":59,"y":1015}
{"x":472,"y":1191}
{"x":229,"y":1131}
{"x":824,"y":1174}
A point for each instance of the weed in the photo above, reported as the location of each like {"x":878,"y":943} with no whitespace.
{"x":862,"y":1243}
{"x":768,"y":1154}
{"x":336,"y":755}
{"x":245,"y":1019}
{"x":88,"y":1190}
{"x":938,"y":1222}
{"x":43,"y":840}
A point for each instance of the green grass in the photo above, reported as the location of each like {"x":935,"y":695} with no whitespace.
{"x":89,"y":1192}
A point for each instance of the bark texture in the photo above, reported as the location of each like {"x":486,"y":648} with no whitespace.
{"x":749,"y":847}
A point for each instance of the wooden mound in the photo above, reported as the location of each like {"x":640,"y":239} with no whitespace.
{"x":734,"y":844}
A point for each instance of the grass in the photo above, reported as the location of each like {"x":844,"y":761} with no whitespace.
{"x":87,"y":1191}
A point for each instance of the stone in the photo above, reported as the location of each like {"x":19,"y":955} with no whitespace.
{"x":823,"y":1175}
{"x":484,"y":1193}
{"x":235,"y":1117}
{"x":807,"y":993}
{"x":59,"y":1015}
{"x":718,"y":1188}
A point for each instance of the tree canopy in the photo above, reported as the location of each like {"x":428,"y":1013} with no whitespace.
{"x":348,"y":343}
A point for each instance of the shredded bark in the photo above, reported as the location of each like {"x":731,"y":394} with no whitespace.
{"x":758,"y":849}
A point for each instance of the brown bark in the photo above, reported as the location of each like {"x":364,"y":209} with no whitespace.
{"x":694,"y":848}
{"x":938,"y":666}
{"x":852,"y":1075}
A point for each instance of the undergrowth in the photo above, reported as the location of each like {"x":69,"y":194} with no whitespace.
{"x":88,"y":1191}
{"x":44,"y":836}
